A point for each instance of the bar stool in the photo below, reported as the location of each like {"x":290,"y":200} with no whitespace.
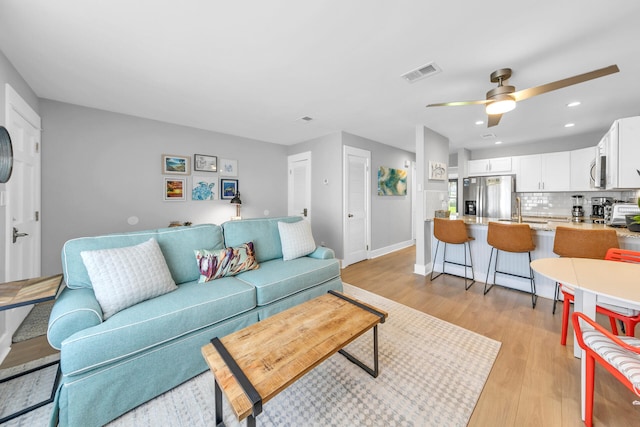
{"x":514,"y":238}
{"x":454,"y":232}
{"x":580,"y":243}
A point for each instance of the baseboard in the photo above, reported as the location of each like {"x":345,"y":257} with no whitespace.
{"x":389,"y":249}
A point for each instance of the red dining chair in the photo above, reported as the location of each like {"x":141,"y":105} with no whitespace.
{"x":629,"y":318}
{"x":618,"y":355}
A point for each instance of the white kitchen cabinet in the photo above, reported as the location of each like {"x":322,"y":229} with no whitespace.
{"x":581,"y":162}
{"x":500,"y":165}
{"x":622,"y":148}
{"x":544,"y":172}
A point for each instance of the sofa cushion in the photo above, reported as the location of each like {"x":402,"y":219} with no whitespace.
{"x":123,"y":277}
{"x":296,"y":238}
{"x":263,"y":232}
{"x":153,"y":322}
{"x":277,"y":279}
{"x":225,"y":262}
{"x":177,"y":245}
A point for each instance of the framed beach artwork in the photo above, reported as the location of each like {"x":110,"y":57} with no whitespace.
{"x":175,"y":165}
{"x":392,"y":182}
{"x":204,"y":163}
{"x":204,"y":187}
{"x":228,"y":167}
{"x":174,"y":189}
{"x":228,"y":188}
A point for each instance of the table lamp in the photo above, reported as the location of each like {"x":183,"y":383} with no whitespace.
{"x":236,"y":201}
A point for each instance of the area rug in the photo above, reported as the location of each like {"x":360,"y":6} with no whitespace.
{"x":35,"y":324}
{"x":431,"y":374}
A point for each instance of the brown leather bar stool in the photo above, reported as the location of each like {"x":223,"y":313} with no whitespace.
{"x":515,"y":238}
{"x":580,"y":243}
{"x":454,"y":232}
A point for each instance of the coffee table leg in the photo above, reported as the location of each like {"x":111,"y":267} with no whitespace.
{"x":373,"y":372}
{"x":218,"y":402}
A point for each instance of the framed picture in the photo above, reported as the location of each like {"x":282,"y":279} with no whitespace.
{"x":176,"y":165}
{"x":174,"y":189}
{"x":204,"y":187}
{"x":228,"y":167}
{"x":204,"y":163}
{"x":228,"y":188}
{"x":437,"y":171}
{"x":392,"y":182}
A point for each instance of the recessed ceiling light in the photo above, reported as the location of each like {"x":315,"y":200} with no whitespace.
{"x":498,"y":142}
{"x":569,"y":125}
{"x":479,"y":122}
{"x":573,"y":104}
{"x":305,"y":119}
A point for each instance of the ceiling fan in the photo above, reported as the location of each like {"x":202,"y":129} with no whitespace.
{"x":503,"y":98}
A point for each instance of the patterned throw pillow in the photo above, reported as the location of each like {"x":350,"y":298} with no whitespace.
{"x":296,"y":239}
{"x":225,"y":262}
{"x":123,"y":277}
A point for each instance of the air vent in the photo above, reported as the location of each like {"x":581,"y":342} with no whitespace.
{"x":421,"y":72}
{"x":488,"y":136}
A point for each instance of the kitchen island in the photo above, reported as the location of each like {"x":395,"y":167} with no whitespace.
{"x":543,"y":234}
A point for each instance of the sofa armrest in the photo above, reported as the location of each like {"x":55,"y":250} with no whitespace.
{"x":73,"y":311}
{"x":322,"y":253}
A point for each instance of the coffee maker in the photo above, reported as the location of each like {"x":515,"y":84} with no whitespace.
{"x":577,"y":212}
{"x":599,"y":207}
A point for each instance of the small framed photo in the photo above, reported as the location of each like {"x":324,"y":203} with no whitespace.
{"x":228,"y":188}
{"x":204,"y":163}
{"x":437,"y":171}
{"x":174,"y":189}
{"x":175,"y":165}
{"x":204,"y":187}
{"x":228,"y":167}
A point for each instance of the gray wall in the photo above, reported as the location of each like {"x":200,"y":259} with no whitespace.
{"x":101,"y":168}
{"x":326,"y":200}
{"x":327,"y":163}
{"x":8,"y":74}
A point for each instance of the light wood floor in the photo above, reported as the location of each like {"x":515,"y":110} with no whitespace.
{"x":535,"y":381}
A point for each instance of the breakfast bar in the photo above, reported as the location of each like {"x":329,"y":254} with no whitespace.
{"x":543,"y":230}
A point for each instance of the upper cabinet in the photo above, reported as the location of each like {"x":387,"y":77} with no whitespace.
{"x":544,"y":172}
{"x":495,"y":166}
{"x":622,"y":148}
{"x":582,"y":165}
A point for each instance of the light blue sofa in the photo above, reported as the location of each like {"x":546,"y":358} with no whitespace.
{"x":110,"y":367}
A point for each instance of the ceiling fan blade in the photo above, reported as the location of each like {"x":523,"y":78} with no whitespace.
{"x":494,"y":119}
{"x":539,"y":90}
{"x":458,"y":103}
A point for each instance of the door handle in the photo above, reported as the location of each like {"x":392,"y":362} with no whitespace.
{"x":304,"y":212}
{"x":350,"y":215}
{"x":16,"y":234}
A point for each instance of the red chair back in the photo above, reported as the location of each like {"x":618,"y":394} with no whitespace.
{"x":623,"y":255}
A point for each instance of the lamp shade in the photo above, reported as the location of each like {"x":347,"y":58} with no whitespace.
{"x":236,"y":199}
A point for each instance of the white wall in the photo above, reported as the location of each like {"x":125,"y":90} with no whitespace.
{"x":101,"y":168}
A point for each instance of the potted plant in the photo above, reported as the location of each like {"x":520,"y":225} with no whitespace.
{"x":633,"y":220}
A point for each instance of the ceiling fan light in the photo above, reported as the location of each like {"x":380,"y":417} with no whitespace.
{"x":501,"y":106}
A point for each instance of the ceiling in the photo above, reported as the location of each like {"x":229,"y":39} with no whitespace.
{"x":253,"y":68}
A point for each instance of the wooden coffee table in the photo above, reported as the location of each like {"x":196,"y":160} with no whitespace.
{"x":256,"y":363}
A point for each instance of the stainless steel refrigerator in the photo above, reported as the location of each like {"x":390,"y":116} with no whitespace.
{"x":489,"y":196}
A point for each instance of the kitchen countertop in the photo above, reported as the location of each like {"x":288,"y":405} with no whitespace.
{"x":550,"y":224}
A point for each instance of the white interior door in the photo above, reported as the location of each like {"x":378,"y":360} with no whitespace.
{"x":357,"y":201}
{"x":299,"y":185}
{"x":22,"y":196}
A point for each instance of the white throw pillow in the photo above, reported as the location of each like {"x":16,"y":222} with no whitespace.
{"x":123,"y":277}
{"x":296,"y":238}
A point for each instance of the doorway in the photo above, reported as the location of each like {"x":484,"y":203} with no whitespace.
{"x":299,"y":185}
{"x":357,"y":205}
{"x":22,"y":207}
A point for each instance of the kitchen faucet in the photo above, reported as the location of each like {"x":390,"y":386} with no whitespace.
{"x":519,"y":209}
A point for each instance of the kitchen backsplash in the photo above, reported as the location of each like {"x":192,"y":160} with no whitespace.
{"x":560,"y":204}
